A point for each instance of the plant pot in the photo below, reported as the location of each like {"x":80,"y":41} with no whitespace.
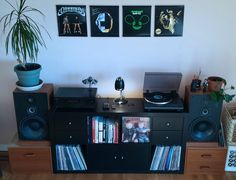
{"x":215,"y":83}
{"x":28,"y":76}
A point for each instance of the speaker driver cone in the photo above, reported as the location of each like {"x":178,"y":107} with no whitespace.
{"x":33,"y":128}
{"x":202,"y":130}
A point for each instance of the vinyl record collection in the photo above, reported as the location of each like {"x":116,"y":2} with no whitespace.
{"x":102,"y":130}
{"x":70,"y":158}
{"x":166,"y":158}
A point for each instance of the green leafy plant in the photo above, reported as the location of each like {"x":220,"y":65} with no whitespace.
{"x":222,"y":94}
{"x":24,"y":35}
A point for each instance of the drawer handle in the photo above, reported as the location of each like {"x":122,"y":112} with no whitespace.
{"x":29,"y":155}
{"x":70,"y":137}
{"x":168,"y":124}
{"x":167,"y":137}
{"x":204,"y":167}
{"x":206,"y":155}
{"x":69,"y":123}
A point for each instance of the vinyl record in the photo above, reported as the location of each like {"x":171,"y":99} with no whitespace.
{"x":158,"y":98}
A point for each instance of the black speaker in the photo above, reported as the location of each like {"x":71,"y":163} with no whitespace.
{"x":202,"y":122}
{"x":31,"y":112}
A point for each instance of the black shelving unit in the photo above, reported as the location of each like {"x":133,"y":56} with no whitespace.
{"x":72,"y":127}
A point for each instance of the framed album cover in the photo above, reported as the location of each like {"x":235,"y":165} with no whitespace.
{"x":135,"y":129}
{"x":136,"y":21}
{"x":71,"y":20}
{"x":169,"y":20}
{"x":104,"y":21}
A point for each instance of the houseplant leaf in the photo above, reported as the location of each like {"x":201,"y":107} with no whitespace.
{"x":228,"y":97}
{"x":214,"y":96}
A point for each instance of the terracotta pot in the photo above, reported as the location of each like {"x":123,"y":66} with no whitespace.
{"x":215,"y":83}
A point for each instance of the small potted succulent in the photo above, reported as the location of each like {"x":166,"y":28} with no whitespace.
{"x":24,"y":38}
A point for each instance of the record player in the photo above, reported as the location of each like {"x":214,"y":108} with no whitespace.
{"x":160,"y":92}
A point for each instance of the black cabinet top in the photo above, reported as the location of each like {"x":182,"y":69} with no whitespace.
{"x":107,"y":105}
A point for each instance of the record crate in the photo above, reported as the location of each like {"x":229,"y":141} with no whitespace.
{"x":229,"y":124}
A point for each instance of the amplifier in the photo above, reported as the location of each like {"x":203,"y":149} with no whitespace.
{"x":76,"y":98}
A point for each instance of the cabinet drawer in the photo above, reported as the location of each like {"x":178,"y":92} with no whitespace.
{"x":198,"y":167}
{"x":70,"y":121}
{"x":170,"y":123}
{"x":77,"y":137}
{"x":204,"y":158}
{"x":30,"y":160}
{"x":206,"y":155}
{"x":166,"y":137}
{"x":119,"y":158}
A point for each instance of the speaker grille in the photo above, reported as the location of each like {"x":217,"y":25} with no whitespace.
{"x":31,"y":109}
{"x":202,"y":123}
{"x":33,"y":128}
{"x":202,"y":129}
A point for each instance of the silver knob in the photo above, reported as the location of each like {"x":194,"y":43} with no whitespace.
{"x":168,"y":124}
{"x":69,"y":123}
{"x":71,"y":137}
{"x":122,"y":157}
{"x":115,"y":157}
{"x":167,"y":137}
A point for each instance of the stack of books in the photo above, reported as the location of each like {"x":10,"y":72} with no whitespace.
{"x":70,"y":158}
{"x":166,"y":158}
{"x":102,"y":130}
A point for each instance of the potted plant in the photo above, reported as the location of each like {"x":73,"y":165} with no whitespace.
{"x":215,"y":83}
{"x":24,"y":37}
{"x":222,"y":93}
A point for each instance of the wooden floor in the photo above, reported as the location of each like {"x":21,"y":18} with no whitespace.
{"x":8,"y":176}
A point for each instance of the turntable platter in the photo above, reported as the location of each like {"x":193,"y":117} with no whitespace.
{"x":158,"y":98}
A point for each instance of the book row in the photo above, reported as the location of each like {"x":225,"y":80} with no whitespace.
{"x":102,"y":130}
{"x":70,"y":157}
{"x":166,"y":158}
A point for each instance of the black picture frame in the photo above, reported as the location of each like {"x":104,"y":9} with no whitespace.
{"x":104,"y":21}
{"x":71,"y":20}
{"x":169,"y":20}
{"x":136,"y":21}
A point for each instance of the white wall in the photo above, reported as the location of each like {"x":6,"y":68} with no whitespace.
{"x":208,"y":43}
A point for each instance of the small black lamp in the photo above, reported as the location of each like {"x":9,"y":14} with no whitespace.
{"x":120,"y":86}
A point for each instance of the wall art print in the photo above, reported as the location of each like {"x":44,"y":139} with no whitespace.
{"x":104,"y":21}
{"x":136,"y":21}
{"x":169,"y":20}
{"x":71,"y":20}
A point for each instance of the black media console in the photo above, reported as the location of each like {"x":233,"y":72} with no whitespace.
{"x":90,"y":141}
